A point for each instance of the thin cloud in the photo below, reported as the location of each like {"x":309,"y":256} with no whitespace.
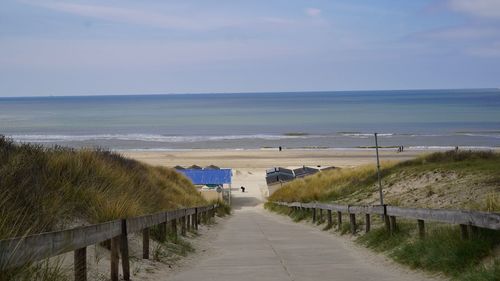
{"x":492,"y":51}
{"x":461,"y":33}
{"x":313,"y":12}
{"x":195,"y":21}
{"x":477,"y":8}
{"x":142,"y":17}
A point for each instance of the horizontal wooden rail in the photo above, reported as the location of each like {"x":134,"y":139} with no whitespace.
{"x":489,"y":220}
{"x":18,"y":251}
{"x":475,"y":218}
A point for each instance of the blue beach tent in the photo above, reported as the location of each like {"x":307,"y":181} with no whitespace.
{"x":208,"y":177}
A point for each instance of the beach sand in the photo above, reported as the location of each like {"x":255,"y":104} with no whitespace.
{"x":261,"y":159}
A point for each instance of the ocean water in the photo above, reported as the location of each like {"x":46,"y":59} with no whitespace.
{"x":417,"y":119}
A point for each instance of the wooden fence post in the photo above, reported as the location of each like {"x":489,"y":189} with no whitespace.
{"x":188,"y":222}
{"x":339,"y":220}
{"x":163,"y":231}
{"x":473,"y":231}
{"x":145,"y":243}
{"x":352,"y":219}
{"x":392,"y":224}
{"x":124,"y":251}
{"x":464,"y":234}
{"x":195,"y":219}
{"x":173,"y":227}
{"x":421,"y":228}
{"x":193,"y":222}
{"x":367,"y":223}
{"x":387,"y":223}
{"x":80,"y":265}
{"x":115,"y":257}
{"x":320,"y":215}
{"x":314,"y":215}
{"x":330,"y":220}
{"x":183,"y":225}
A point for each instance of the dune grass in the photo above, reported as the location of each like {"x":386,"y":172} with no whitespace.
{"x":329,"y":185}
{"x":360,"y":182}
{"x":45,"y":189}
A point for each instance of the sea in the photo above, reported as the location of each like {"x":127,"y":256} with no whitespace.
{"x":415,"y":119}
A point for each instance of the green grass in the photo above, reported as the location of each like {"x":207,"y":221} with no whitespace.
{"x":46,"y":189}
{"x":442,"y":250}
{"x":483,"y":273}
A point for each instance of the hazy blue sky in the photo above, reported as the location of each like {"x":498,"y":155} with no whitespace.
{"x":133,"y":47}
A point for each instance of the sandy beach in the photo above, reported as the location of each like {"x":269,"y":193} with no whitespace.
{"x":261,"y":159}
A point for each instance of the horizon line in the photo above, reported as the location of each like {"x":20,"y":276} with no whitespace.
{"x":250,"y":92}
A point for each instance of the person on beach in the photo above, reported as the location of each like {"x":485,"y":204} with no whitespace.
{"x":242,"y":189}
{"x":279,"y":148}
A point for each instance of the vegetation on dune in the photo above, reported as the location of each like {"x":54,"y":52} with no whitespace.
{"x":441,"y":251}
{"x":43,"y":189}
{"x":478,"y":171}
{"x":328,"y":185}
{"x":426,"y":177}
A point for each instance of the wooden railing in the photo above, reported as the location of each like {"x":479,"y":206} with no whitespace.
{"x":17,"y":252}
{"x":469,"y":221}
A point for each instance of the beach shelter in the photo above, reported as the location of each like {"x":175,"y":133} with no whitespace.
{"x":304,"y":171}
{"x":210,"y":178}
{"x":278,"y":175}
{"x":194,"y":167}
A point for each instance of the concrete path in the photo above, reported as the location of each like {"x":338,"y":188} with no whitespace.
{"x":254,"y":244}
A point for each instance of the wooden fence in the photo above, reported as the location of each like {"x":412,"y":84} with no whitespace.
{"x":469,"y":221}
{"x":17,"y":252}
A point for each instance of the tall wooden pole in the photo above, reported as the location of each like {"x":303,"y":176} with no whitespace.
{"x":378,"y":173}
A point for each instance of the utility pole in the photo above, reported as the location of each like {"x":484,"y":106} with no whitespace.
{"x":378,"y":173}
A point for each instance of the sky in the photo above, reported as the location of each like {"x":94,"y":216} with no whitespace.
{"x":62,"y":47}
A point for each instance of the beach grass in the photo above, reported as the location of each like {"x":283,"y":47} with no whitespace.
{"x":351,"y":185}
{"x":45,"y":189}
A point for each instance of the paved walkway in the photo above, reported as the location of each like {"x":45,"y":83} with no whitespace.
{"x":257,"y":245}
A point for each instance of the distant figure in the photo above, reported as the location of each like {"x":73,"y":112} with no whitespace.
{"x":402,"y":148}
{"x":456,"y":148}
{"x":280,"y":148}
{"x":242,"y":189}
